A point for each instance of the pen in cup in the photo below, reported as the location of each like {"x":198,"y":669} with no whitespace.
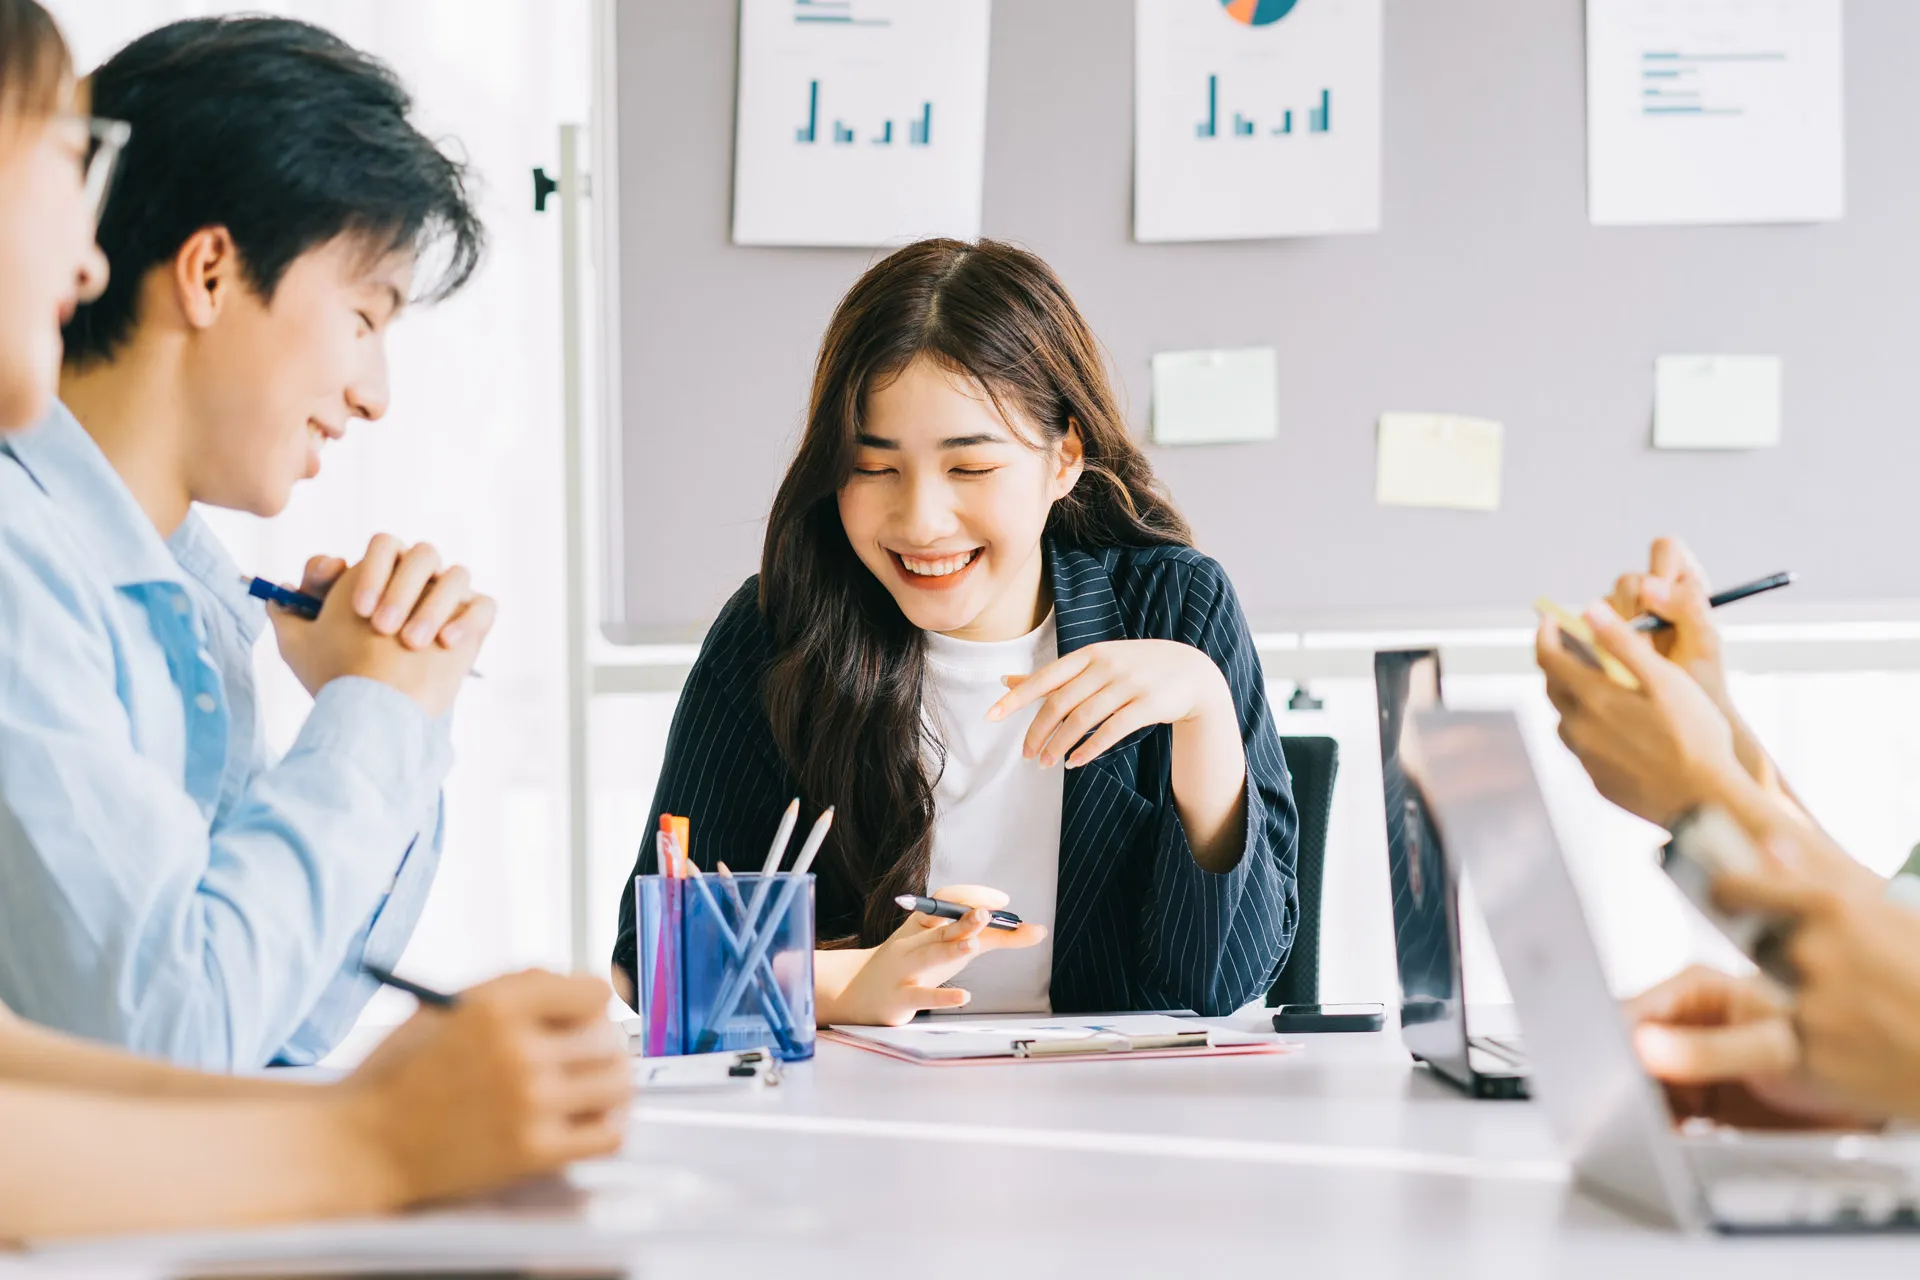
{"x":298,"y":603}
{"x":955,"y":911}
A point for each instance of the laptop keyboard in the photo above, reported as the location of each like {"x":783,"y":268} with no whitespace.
{"x":1507,"y":1048}
{"x":1758,"y":1189}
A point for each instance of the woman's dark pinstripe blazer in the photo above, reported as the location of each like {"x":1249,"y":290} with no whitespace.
{"x":1138,"y":925}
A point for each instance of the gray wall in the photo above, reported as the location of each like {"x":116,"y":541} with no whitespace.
{"x":1486,"y":292}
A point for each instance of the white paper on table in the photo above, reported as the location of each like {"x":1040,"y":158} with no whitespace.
{"x":1438,"y":460}
{"x":1215,"y":397}
{"x":1256,"y":119}
{"x":1716,"y":402}
{"x":1714,"y":111}
{"x":943,"y":1040}
{"x":859,"y":122}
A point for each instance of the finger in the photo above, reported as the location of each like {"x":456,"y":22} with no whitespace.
{"x":1702,"y":1055}
{"x":472,"y":623}
{"x":1086,"y":717}
{"x":417,"y":567}
{"x":603,"y":1087}
{"x":1562,"y":699}
{"x":1041,"y":683}
{"x":320,"y":575}
{"x":1623,"y":642}
{"x":1771,"y":893}
{"x":562,"y":1140}
{"x":1577,"y":679}
{"x":1060,"y":704}
{"x":383,"y":553}
{"x":1117,"y":726}
{"x":941,"y":997}
{"x":932,"y":953}
{"x":1626,"y":595}
{"x":582,"y":1046}
{"x":966,"y":929}
{"x":1017,"y":939}
{"x":1673,"y":559}
{"x":1695,"y":994}
{"x":445,"y":596}
{"x":550,"y":997}
{"x":1681,"y":601}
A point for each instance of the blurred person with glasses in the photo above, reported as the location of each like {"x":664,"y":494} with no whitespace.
{"x":522,"y":1075}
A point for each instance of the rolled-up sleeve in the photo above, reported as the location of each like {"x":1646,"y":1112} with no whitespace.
{"x":1215,"y":940}
{"x":129,"y":915}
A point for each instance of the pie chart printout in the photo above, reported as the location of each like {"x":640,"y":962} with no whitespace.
{"x":1258,"y":13}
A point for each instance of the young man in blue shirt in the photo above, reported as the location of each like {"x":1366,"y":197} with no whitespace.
{"x":164,"y":884}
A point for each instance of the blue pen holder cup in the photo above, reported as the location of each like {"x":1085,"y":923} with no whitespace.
{"x":711,"y":978}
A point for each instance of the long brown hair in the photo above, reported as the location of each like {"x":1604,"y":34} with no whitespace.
{"x":843,"y":691}
{"x":34,"y":62}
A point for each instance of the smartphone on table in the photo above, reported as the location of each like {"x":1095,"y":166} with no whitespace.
{"x":1309,"y":1018}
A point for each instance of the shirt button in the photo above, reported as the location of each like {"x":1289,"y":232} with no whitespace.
{"x":180,"y":604}
{"x":206,"y":703}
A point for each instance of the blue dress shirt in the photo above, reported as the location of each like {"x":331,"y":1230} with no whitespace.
{"x":164,"y":883}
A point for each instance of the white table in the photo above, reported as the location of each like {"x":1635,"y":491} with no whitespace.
{"x":1341,"y":1160}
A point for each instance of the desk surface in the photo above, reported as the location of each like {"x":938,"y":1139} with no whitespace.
{"x":1342,"y":1159}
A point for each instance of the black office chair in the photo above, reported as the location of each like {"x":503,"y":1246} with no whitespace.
{"x":1313,"y":762}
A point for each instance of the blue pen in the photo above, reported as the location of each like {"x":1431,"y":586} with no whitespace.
{"x":295,"y":602}
{"x":298,"y":602}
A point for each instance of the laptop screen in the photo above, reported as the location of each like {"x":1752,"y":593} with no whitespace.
{"x":1425,"y":932}
{"x":1473,"y":769}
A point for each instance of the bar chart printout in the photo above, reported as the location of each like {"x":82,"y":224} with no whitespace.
{"x":1256,"y":118}
{"x":1714,"y":111}
{"x":837,"y":141}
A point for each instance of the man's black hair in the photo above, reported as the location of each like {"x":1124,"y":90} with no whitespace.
{"x":280,"y":132}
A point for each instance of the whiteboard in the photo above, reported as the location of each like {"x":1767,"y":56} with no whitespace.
{"x":1486,"y":292}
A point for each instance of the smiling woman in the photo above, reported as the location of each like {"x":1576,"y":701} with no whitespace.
{"x":970,"y":577}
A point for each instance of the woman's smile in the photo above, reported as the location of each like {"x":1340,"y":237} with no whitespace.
{"x":941,"y":572}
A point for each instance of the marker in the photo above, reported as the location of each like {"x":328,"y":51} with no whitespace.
{"x":955,"y":911}
{"x":298,"y":603}
{"x":425,"y":995}
{"x":1649,"y":624}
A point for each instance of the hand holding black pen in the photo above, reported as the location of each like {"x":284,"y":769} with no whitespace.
{"x":1673,"y":591}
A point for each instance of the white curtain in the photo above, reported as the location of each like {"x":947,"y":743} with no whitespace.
{"x":469,"y":456}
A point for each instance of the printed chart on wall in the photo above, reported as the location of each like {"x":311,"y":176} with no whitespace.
{"x":1256,"y":118}
{"x":1714,"y":111}
{"x":860,"y":122}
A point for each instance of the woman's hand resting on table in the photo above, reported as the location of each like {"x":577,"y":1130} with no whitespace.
{"x":885,"y":986}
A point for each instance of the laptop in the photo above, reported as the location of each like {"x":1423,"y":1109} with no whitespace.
{"x":1472,"y":769}
{"x":1426,"y":908}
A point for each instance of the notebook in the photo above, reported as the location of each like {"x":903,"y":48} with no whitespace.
{"x":940,"y":1043}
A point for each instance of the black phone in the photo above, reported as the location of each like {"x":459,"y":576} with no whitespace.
{"x":1330,"y":1017}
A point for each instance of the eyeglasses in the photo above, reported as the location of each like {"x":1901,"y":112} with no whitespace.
{"x":105,"y":140}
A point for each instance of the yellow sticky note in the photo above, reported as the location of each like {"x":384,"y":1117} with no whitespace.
{"x":1438,"y":460}
{"x":1577,"y":633}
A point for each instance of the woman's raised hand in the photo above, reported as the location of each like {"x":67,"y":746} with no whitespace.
{"x":1109,"y":690}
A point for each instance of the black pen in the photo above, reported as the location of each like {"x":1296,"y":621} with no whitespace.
{"x":1773,"y":582}
{"x":955,"y":910}
{"x":425,"y":995}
